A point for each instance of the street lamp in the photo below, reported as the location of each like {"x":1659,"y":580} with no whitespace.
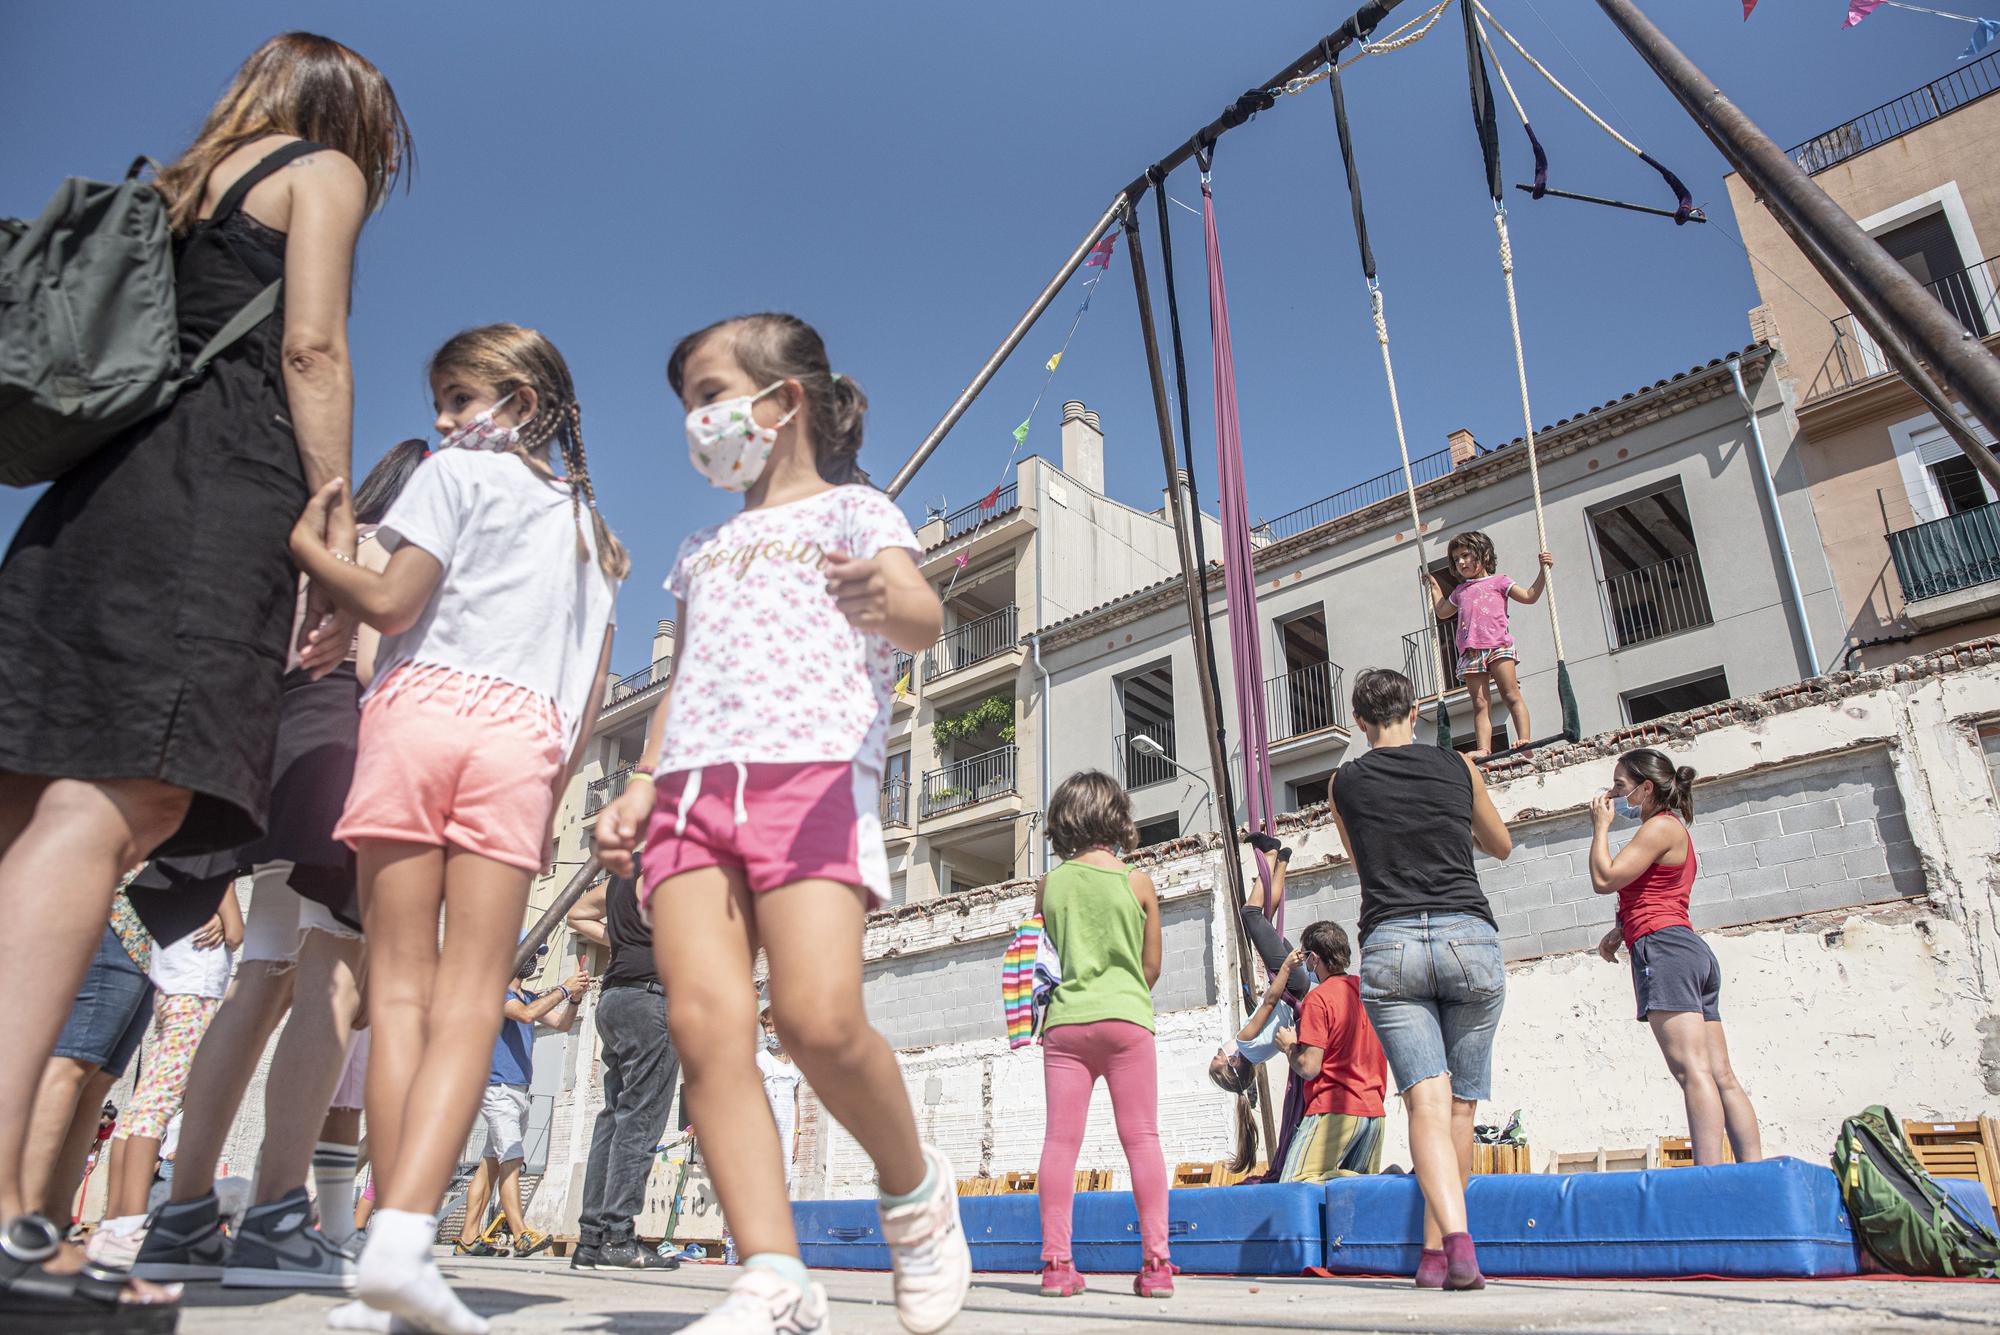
{"x":1150,"y":746}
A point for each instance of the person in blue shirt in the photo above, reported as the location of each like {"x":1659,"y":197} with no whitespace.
{"x":505,"y":1107}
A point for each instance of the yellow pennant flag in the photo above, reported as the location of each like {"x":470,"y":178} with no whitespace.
{"x":903,"y":687}
{"x":1054,"y":362}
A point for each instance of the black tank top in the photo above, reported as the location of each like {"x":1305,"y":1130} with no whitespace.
{"x":631,"y":938}
{"x":1408,"y":810}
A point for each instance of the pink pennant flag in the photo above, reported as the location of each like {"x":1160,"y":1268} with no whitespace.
{"x":1858,"y":10}
{"x":1100,"y":254}
{"x":992,"y":499}
{"x":1748,"y":5}
{"x":962,"y":560}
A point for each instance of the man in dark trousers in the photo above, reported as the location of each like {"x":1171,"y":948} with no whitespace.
{"x":639,"y":1071}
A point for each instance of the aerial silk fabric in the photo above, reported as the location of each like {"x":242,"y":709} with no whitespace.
{"x":1238,"y":578}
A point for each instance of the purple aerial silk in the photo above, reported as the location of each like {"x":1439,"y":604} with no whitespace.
{"x":1238,"y":576}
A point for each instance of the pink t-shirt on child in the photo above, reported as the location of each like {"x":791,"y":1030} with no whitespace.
{"x":1482,"y":613}
{"x":768,"y":670}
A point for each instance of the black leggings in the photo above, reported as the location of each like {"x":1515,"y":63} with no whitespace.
{"x":1272,"y":949}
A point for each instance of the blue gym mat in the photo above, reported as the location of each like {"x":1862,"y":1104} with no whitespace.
{"x":1273,"y":1230}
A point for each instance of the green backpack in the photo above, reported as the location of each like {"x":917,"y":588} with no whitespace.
{"x":89,"y":340}
{"x":1903,"y":1218}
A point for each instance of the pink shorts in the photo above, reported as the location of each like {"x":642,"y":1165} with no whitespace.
{"x":776,"y":824}
{"x":448,"y":759}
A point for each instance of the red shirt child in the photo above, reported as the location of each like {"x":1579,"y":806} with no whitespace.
{"x":1353,"y":1072}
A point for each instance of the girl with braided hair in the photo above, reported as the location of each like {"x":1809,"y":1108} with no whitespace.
{"x":495,"y":610}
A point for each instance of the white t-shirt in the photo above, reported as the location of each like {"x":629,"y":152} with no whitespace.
{"x":516,"y":605}
{"x":182,"y":969}
{"x":769,"y":671}
{"x":781,"y":1087}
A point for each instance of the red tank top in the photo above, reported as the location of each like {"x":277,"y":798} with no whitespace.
{"x":1657,"y":896}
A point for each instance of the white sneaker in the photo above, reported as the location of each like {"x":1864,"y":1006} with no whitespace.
{"x":929,"y":1254}
{"x":114,"y":1251}
{"x":759,"y":1303}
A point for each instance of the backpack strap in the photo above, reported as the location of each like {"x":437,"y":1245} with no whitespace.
{"x":255,"y":311}
{"x":272,"y":161}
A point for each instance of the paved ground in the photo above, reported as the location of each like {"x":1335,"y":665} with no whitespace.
{"x":543,"y":1297}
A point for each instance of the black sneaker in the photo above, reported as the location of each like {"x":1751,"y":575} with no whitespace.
{"x":477,"y":1247}
{"x":278,"y":1248}
{"x":1284,"y":855}
{"x":585,"y":1257}
{"x":184,"y":1242}
{"x":1264,"y":843}
{"x":630,"y":1255}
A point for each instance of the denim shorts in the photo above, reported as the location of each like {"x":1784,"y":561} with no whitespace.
{"x":1433,"y":985}
{"x":112,"y":1010}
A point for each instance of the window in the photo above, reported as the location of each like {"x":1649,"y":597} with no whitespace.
{"x":1147,"y":699}
{"x":1653,"y":702}
{"x":899,"y":888}
{"x":1937,"y":477}
{"x":1959,"y":485}
{"x":1421,"y":647}
{"x":1929,"y":250}
{"x":1301,"y":699}
{"x":1469,"y":741}
{"x":1652,"y":583}
{"x":1159,"y":831}
{"x":1310,"y":792}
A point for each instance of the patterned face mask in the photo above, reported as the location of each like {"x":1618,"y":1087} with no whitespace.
{"x":481,"y":433}
{"x":727,"y":446}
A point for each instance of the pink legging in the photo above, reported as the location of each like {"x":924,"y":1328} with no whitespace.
{"x":1074,"y":1056}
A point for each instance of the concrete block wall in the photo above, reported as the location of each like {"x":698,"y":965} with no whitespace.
{"x":1804,"y":838}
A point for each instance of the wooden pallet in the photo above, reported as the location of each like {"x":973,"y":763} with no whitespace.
{"x":1957,"y":1149}
{"x":1678,"y":1152}
{"x":1502,"y":1159}
{"x":1601,"y":1161}
{"x":1217,"y":1174}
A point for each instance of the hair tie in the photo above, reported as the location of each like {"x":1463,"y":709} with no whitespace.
{"x":837,"y":377}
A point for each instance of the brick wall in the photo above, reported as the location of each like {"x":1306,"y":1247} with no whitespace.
{"x":953,"y":995}
{"x":1822,"y":835}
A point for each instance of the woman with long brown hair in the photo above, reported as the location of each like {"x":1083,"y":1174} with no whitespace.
{"x":148,"y":596}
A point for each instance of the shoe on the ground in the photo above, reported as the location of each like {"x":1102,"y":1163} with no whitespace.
{"x":184,"y":1241}
{"x":531,"y":1242}
{"x":1061,"y":1280}
{"x":928,"y":1253}
{"x":585,"y":1257}
{"x":477,"y":1247}
{"x":1264,"y":843}
{"x":631,"y":1255}
{"x":759,"y":1303}
{"x":1156,"y":1279}
{"x":114,"y":1251}
{"x":693,"y":1252}
{"x":279,"y":1247}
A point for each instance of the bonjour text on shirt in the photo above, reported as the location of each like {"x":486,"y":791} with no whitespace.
{"x":517,"y":604}
{"x":769,"y":670}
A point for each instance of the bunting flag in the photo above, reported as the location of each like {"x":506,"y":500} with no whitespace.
{"x":903,"y":687}
{"x":992,"y":499}
{"x":1021,"y":433}
{"x":1053,"y":362}
{"x":962,"y":560}
{"x":1748,"y":5}
{"x":1100,"y":254}
{"x":1983,"y":36}
{"x":1858,"y":10}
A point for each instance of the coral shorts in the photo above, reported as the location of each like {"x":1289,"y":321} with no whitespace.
{"x":447,"y":760}
{"x":776,"y":824}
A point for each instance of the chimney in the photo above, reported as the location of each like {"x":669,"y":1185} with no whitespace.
{"x":1464,"y":449}
{"x":1083,"y":446}
{"x":1166,"y":511}
{"x":663,"y":640}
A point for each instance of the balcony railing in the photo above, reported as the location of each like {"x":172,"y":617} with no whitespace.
{"x":1657,"y":600}
{"x":602,"y":792}
{"x":1971,"y":296}
{"x":1967,"y":83}
{"x":1420,"y":662}
{"x":969,"y":517}
{"x":973,"y":642}
{"x":1143,"y":767}
{"x":1303,"y":701}
{"x":645,"y":679}
{"x":896,"y":802}
{"x":971,"y":780}
{"x":1949,"y":554}
{"x":1357,"y":497}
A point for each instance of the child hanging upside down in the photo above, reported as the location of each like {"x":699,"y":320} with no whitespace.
{"x":1485,"y":644}
{"x":1234,"y":1066}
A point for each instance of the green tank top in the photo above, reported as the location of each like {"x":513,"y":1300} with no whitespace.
{"x":1099,"y":932}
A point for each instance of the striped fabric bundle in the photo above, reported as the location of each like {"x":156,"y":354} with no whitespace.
{"x":1029,"y":972}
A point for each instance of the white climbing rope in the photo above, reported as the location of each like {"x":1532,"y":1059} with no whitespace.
{"x":1554,"y":82}
{"x":1527,"y":415}
{"x":1429,"y":621}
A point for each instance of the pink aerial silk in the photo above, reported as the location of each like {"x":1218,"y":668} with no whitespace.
{"x":1238,"y":576}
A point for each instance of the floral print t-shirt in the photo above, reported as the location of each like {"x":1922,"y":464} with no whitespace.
{"x":768,"y":671}
{"x":1482,"y":613}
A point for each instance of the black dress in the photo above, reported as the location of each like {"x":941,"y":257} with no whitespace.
{"x":146,"y":600}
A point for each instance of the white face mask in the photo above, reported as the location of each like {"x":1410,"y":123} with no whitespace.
{"x":481,"y":433}
{"x":727,"y":446}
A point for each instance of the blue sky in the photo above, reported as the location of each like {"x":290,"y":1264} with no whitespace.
{"x":907,"y":175}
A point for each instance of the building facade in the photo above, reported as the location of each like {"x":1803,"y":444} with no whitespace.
{"x":1670,"y":578}
{"x":1912,"y":530}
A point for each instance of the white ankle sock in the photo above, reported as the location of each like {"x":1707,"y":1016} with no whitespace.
{"x":333,"y":1173}
{"x":125,"y":1225}
{"x":397,"y":1275}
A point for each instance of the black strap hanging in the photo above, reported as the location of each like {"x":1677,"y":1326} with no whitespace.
{"x":1483,"y":118}
{"x":1353,"y":172}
